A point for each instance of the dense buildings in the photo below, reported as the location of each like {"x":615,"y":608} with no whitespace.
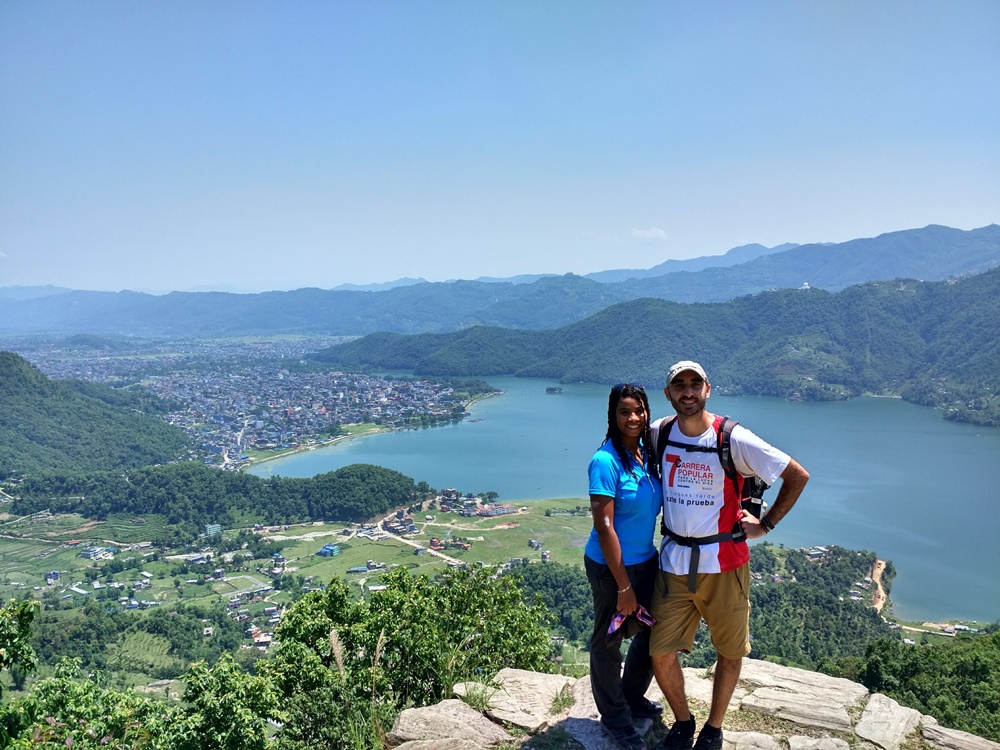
{"x":237,"y":398}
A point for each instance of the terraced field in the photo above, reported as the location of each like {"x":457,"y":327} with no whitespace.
{"x":42,"y":547}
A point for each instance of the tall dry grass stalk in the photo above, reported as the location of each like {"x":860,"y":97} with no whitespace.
{"x":337,"y":647}
{"x":379,"y":646}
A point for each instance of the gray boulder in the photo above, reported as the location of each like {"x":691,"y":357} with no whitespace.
{"x":439,"y":745}
{"x":749,"y":741}
{"x":449,"y":719}
{"x":953,"y":739}
{"x":521,"y":698}
{"x":806,"y":698}
{"x":886,"y":723}
{"x":798,"y":742}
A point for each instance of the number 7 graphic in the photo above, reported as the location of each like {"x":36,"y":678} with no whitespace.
{"x":674,"y":462}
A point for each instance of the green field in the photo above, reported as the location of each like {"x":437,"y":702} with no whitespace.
{"x":41,"y":546}
{"x":24,"y":562}
{"x":493,"y":542}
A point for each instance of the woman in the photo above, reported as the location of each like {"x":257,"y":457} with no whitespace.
{"x":621,"y":563}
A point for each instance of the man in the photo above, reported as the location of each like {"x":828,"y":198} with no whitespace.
{"x":704,"y":570}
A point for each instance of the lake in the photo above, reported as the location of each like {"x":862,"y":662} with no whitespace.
{"x":887,"y":476}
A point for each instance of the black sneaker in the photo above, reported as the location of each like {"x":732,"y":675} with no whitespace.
{"x":709,"y":738}
{"x":626,"y":738}
{"x":646,"y":709}
{"x":680,"y":736}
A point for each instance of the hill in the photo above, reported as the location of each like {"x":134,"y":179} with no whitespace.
{"x":933,"y":342}
{"x":190,"y":495}
{"x":53,"y":426}
{"x":931,"y":253}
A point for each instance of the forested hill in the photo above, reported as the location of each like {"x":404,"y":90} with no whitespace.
{"x":62,"y":426}
{"x":932,"y":342}
{"x":189,"y":495}
{"x":930,"y":253}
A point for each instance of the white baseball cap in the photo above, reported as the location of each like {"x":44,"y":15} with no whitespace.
{"x":685,"y":364}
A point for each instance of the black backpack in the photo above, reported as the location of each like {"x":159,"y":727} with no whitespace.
{"x":751,"y":491}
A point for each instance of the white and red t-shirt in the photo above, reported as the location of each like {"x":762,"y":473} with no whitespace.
{"x":698,"y":498}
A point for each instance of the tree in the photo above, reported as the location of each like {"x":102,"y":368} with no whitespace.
{"x":15,"y":635}
{"x":345,"y":666}
{"x":958,"y":683}
{"x":565,"y":592}
{"x":229,"y":708}
{"x":74,"y":710}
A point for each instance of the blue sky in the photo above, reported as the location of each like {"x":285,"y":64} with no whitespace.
{"x":264,"y":145}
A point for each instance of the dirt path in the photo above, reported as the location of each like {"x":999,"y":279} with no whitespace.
{"x":878,"y":593}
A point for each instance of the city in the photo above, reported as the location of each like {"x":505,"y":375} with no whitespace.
{"x":243,"y":401}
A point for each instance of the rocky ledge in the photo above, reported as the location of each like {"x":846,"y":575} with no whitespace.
{"x":774,"y":708}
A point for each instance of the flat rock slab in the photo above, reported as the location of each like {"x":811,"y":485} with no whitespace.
{"x":583,"y":701}
{"x":886,"y":723}
{"x":749,"y":741}
{"x":802,"y":708}
{"x":591,"y":736}
{"x":798,"y":742}
{"x":699,"y":687}
{"x":449,"y":719}
{"x":439,"y":745}
{"x":843,"y":692}
{"x":807,"y":698}
{"x":583,"y":721}
{"x":523,"y":698}
{"x":953,"y":739}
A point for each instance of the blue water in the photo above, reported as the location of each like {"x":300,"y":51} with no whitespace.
{"x":887,"y":476}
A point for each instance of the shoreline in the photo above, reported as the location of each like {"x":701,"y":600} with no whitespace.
{"x":879,"y":598}
{"x":304,"y":448}
{"x":340,"y":438}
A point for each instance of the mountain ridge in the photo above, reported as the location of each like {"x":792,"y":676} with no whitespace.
{"x":933,"y":343}
{"x":931,"y":253}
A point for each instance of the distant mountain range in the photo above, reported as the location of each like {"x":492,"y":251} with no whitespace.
{"x":734,"y":257}
{"x":30,"y":292}
{"x":931,"y":253}
{"x":935,"y":343}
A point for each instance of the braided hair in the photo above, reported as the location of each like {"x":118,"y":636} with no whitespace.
{"x":636,"y":391}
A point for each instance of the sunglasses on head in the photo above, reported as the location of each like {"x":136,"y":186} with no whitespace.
{"x":622,"y":386}
{"x":619,"y":619}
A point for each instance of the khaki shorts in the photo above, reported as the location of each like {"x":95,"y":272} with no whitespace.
{"x":722,"y":599}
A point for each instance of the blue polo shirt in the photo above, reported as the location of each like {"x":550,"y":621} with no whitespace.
{"x":638,"y":499}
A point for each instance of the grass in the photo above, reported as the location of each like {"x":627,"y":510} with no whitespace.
{"x":123,"y":528}
{"x":478,"y":695}
{"x":562,"y":701}
{"x":141,"y":651}
{"x":554,"y":738}
{"x":41,"y":546}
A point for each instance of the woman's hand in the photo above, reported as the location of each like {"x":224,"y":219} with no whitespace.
{"x":627,"y":603}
